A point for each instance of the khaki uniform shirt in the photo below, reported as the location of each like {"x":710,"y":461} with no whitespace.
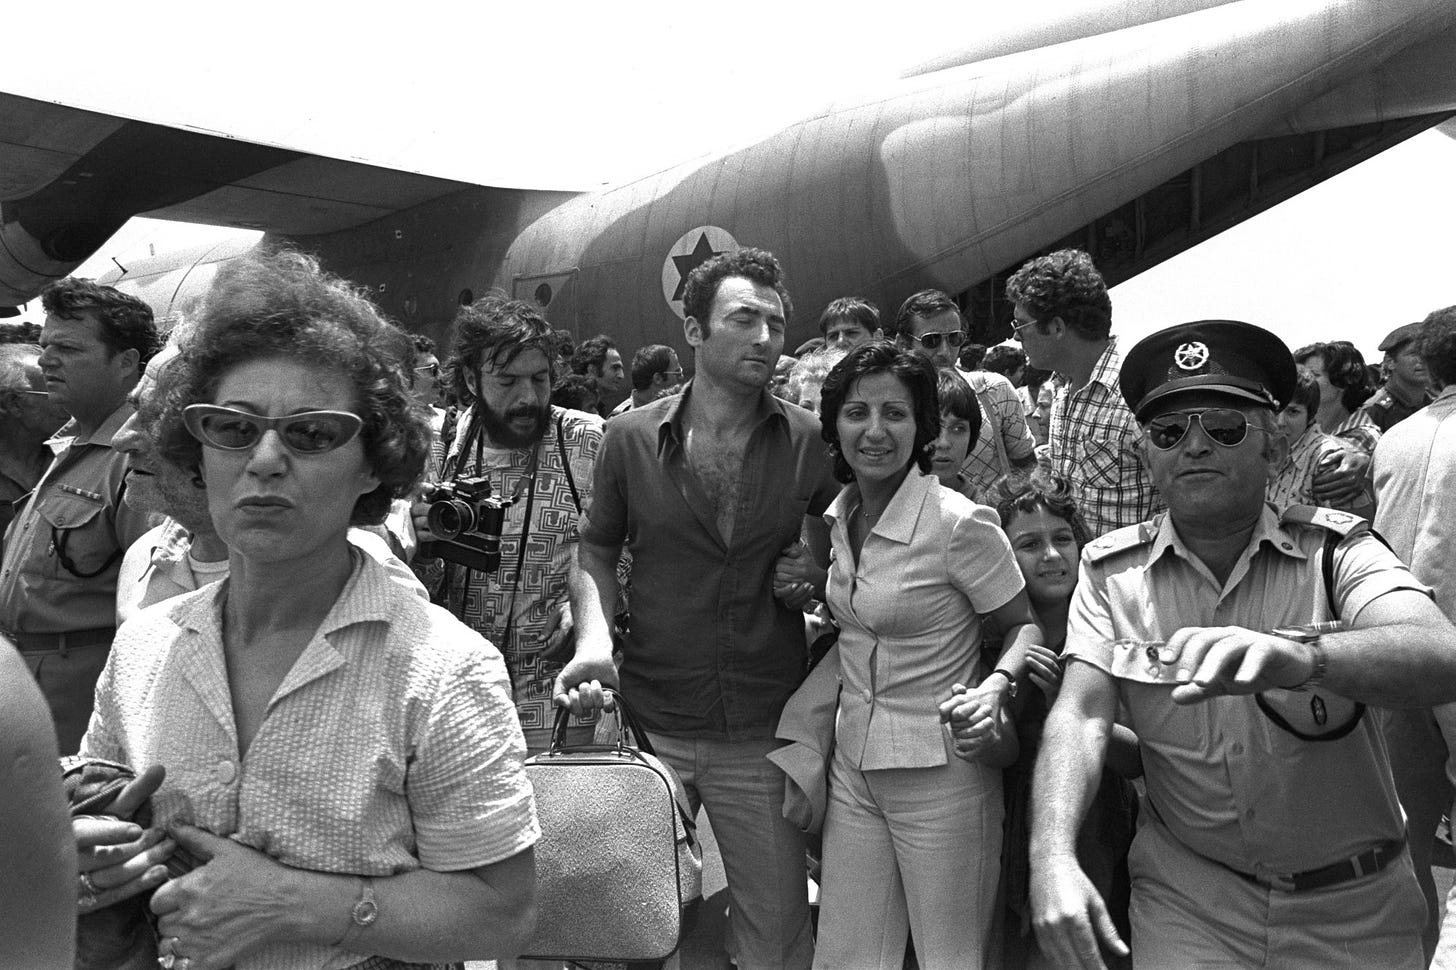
{"x":1228,"y":782}
{"x":76,"y":510}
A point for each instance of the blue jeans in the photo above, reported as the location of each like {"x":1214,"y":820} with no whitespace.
{"x":763,"y":853}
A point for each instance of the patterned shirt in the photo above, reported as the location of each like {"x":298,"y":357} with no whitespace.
{"x":1005,"y":439}
{"x":390,"y":746}
{"x":1094,"y":445}
{"x":485,"y":601}
{"x":1294,"y":484}
{"x":1360,"y":430}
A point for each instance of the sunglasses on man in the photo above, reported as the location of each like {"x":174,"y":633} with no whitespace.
{"x":931,"y":341}
{"x":304,"y":433}
{"x":1223,"y":426}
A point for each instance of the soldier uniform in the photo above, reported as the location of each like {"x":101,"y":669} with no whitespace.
{"x":1273,"y":835}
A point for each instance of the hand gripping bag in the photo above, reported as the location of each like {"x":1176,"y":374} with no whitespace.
{"x":619,"y":871}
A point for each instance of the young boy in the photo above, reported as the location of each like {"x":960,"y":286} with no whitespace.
{"x":1309,"y":450}
{"x":960,"y":425}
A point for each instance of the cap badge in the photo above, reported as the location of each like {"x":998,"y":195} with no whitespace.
{"x":1191,"y":356}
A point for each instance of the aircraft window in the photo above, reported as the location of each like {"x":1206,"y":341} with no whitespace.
{"x":466,"y":297}
{"x":543,"y":294}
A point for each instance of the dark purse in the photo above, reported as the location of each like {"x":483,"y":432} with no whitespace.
{"x":619,"y":871}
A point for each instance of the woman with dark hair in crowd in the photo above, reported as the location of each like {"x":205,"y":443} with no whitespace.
{"x":912,"y":833}
{"x":1340,"y":370}
{"x":342,"y":759}
{"x":1047,"y":533}
{"x":960,"y":425}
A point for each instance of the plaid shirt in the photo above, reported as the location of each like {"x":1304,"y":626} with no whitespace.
{"x":1093,"y":442}
{"x":1005,"y":439}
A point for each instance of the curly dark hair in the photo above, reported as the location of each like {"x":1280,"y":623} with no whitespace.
{"x":1064,"y":284}
{"x":592,"y":352}
{"x":126,"y":322}
{"x":648,"y":362}
{"x":1019,"y":494}
{"x":282,"y":305}
{"x":1437,"y":345}
{"x":423,"y":344}
{"x":499,"y":329}
{"x":755,"y":265}
{"x":1004,"y":360}
{"x":881,"y":357}
{"x":926,"y":303}
{"x":1344,"y":368}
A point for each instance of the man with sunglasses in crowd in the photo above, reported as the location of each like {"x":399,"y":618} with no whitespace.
{"x":1063,"y":318}
{"x":930,"y":324}
{"x":1242,"y":647}
{"x":63,"y":550}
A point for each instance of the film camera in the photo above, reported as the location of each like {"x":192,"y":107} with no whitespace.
{"x":466,"y":520}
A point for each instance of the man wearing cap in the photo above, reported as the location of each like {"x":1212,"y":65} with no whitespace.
{"x":1406,"y":390}
{"x":1273,"y":837}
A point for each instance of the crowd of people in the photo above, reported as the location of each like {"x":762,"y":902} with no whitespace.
{"x":1059,"y":653}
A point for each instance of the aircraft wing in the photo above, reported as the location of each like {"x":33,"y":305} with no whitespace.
{"x":69,"y":178}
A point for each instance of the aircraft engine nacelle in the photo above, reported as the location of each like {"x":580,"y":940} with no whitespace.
{"x":28,"y":263}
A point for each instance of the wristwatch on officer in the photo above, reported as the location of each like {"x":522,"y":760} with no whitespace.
{"x":1321,"y":665}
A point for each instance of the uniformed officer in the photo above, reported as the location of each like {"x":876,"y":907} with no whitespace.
{"x":63,"y":550}
{"x":1273,"y":836}
{"x":1407,"y":389}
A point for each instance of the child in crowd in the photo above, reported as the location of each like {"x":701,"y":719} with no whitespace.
{"x":1310,"y":449}
{"x":960,"y":425}
{"x":1047,"y":533}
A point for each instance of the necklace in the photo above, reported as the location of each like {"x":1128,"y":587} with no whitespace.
{"x":868,"y":514}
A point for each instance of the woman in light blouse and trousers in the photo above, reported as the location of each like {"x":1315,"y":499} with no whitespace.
{"x":913,"y":830}
{"x":343,"y":761}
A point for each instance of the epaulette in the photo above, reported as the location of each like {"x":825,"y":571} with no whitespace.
{"x":1331,"y":520}
{"x":1124,"y":539}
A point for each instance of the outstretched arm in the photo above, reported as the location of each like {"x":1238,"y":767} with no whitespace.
{"x":1070,"y":916}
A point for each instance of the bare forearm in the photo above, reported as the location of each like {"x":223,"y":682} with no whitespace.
{"x":1396,"y":665}
{"x":592,"y":585}
{"x":424,"y":916}
{"x":1068,"y":770}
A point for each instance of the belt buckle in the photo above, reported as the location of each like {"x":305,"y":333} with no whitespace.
{"x":1280,"y":881}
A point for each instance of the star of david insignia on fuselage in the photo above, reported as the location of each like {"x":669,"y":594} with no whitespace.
{"x":1191,"y":356}
{"x":702,"y":252}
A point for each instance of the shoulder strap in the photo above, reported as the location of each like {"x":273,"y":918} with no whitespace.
{"x":1122,"y":540}
{"x":565,"y":461}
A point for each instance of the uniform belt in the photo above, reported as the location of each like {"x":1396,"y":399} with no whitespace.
{"x":1370,"y":861}
{"x":70,"y":640}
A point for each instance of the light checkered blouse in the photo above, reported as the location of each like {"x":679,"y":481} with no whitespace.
{"x":391,"y":745}
{"x":1094,"y":444}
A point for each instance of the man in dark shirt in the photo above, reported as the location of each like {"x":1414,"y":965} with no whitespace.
{"x":713,"y":487}
{"x":1407,"y":389}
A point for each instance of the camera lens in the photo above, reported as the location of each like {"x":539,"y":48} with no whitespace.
{"x":449,"y":519}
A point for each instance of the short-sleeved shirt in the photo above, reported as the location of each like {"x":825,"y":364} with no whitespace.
{"x":1228,"y":782}
{"x":1005,"y":438}
{"x":486,"y":601}
{"x":908,"y":613}
{"x":77,"y":510}
{"x":711,"y":653}
{"x":392,"y":744}
{"x":1094,"y":445}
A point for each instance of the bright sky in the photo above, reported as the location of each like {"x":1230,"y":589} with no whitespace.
{"x":575,"y":95}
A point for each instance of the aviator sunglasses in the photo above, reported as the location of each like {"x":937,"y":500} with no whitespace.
{"x":930,"y":341}
{"x":304,"y":433}
{"x":1223,"y":426}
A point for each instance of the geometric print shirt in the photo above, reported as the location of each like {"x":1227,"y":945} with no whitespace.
{"x":485,"y":601}
{"x":1094,"y":445}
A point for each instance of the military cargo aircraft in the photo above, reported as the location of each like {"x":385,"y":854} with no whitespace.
{"x":1133,"y":130}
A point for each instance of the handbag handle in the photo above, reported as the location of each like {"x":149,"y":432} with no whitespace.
{"x":628,"y":721}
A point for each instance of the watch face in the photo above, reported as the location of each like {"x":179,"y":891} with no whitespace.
{"x":365,"y":912}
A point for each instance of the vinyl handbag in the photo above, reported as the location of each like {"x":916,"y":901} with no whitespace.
{"x":619,"y":871}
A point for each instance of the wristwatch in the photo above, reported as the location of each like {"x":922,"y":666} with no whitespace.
{"x":365,"y":910}
{"x":1011,"y":692}
{"x":1310,"y":638}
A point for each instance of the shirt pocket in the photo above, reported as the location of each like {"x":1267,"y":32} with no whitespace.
{"x":82,"y":544}
{"x":1102,"y":461}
